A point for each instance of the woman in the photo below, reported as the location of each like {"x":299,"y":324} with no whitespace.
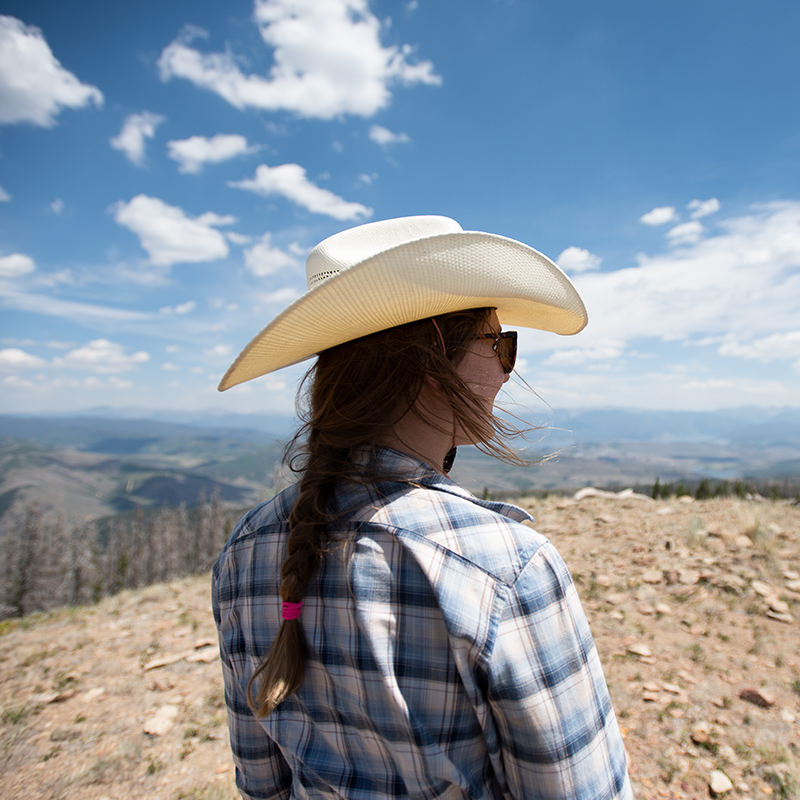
{"x":383,"y":633}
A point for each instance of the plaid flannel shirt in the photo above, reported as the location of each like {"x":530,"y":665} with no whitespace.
{"x":449,"y":656}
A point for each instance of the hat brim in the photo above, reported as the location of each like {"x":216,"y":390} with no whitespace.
{"x":424,"y":278}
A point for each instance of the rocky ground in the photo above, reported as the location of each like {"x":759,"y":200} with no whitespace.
{"x":694,"y":607}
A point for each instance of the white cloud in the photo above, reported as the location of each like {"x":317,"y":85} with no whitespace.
{"x":102,"y":356}
{"x":34,"y":87}
{"x":576,"y":259}
{"x":659,"y":216}
{"x":238,"y":238}
{"x":133,"y":136}
{"x":741,"y":283}
{"x":15,"y":382}
{"x":69,"y":309}
{"x":384,"y":137}
{"x":368,"y":179}
{"x":194,"y":153}
{"x":168,"y":235}
{"x":782,"y":345}
{"x":702,"y":208}
{"x":686,"y":233}
{"x":16,"y":265}
{"x":15,"y":358}
{"x":216,"y":220}
{"x":57,"y":206}
{"x":264,"y":259}
{"x":180,"y":309}
{"x":584,"y":355}
{"x":327,"y":60}
{"x":218,"y":350}
{"x":5,"y":197}
{"x":278,"y":297}
{"x":290,"y":181}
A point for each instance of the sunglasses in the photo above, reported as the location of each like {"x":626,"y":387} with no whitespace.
{"x":505,"y":345}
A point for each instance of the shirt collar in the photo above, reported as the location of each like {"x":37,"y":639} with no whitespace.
{"x":388,"y":461}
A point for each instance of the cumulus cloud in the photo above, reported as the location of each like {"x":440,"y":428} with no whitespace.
{"x":290,"y":181}
{"x":34,"y":87}
{"x":659,"y":216}
{"x":384,"y":137}
{"x":576,"y":259}
{"x":14,"y":358}
{"x":741,"y":283}
{"x":5,"y":197}
{"x":327,"y":60}
{"x":180,"y":309}
{"x":194,"y":153}
{"x":168,"y":235}
{"x":133,"y":136}
{"x":102,"y":356}
{"x":16,"y":265}
{"x":685,"y":233}
{"x":264,"y":259}
{"x":57,"y":206}
{"x":702,"y":208}
{"x":768,"y":348}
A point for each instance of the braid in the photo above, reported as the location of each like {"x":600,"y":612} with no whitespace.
{"x":282,"y":670}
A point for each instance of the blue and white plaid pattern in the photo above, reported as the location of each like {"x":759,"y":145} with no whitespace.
{"x":449,"y":656}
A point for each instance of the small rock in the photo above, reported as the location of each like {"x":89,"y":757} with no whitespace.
{"x":786,"y":618}
{"x":779,"y":606}
{"x":793,"y":585}
{"x":727,"y":753}
{"x":652,"y":576}
{"x":719,"y":783}
{"x":162,"y":721}
{"x":759,"y":697}
{"x":743,"y":542}
{"x":206,"y":655}
{"x":164,"y":661}
{"x":764,"y":589}
{"x":639,"y":649}
{"x":701,"y":733}
{"x":663,"y":608}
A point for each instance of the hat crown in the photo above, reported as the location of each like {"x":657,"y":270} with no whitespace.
{"x":346,"y":249}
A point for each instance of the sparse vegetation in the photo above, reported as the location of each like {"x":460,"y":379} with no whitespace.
{"x":88,"y":686}
{"x":51,"y":566}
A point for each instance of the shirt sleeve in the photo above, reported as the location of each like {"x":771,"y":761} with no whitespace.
{"x":262,"y":773}
{"x":558,"y":734}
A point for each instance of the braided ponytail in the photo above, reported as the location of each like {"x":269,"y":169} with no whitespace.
{"x":357,"y":393}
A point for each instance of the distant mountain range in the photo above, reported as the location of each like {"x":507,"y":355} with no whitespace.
{"x":102,"y":462}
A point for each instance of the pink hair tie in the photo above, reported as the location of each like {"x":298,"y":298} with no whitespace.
{"x":291,"y":610}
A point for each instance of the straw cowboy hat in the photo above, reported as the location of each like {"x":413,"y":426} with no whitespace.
{"x":387,"y":273}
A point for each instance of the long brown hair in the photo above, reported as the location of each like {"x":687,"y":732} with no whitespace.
{"x":356,"y":393}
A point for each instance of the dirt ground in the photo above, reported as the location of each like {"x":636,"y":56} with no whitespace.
{"x":694,"y":607}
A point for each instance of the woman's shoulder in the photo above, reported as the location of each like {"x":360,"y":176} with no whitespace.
{"x":452,"y":524}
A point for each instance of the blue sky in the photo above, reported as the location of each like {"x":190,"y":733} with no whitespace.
{"x":165,"y":168}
